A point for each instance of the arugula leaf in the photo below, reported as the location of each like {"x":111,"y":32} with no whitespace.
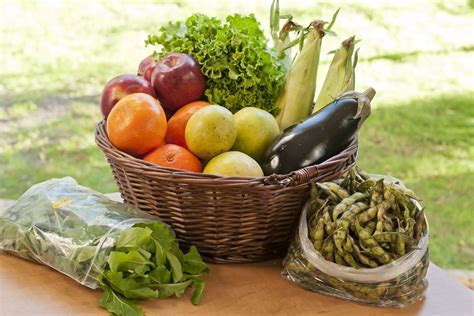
{"x":160,"y":275}
{"x":134,"y":237}
{"x":85,"y":253}
{"x":131,"y":261}
{"x":161,"y":234}
{"x":167,"y":290}
{"x":76,"y":233}
{"x":160,"y":253}
{"x":176,"y":271}
{"x":118,"y":305}
{"x":199,"y":288}
{"x":139,"y":262}
{"x":142,"y":293}
{"x":144,"y":253}
{"x":145,"y":269}
{"x":129,"y":288}
{"x":8,"y":230}
{"x":193,"y":263}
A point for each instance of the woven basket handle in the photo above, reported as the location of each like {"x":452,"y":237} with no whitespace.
{"x":328,"y":170}
{"x":307,"y":174}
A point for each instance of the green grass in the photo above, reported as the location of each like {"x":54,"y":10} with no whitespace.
{"x":429,"y":144}
{"x":56,"y":57}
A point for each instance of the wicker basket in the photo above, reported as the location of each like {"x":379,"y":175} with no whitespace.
{"x":229,"y":219}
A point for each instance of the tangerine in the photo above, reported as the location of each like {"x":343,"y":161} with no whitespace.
{"x":177,"y":123}
{"x":137,"y":124}
{"x":174,"y":156}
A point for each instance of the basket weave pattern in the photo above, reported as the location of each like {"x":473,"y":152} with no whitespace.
{"x":229,"y":219}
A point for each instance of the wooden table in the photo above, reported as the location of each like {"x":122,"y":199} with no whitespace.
{"x":28,"y":288}
{"x":246,"y":289}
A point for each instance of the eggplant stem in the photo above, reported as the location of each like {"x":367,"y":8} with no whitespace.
{"x":363,"y":100}
{"x":369,"y":93}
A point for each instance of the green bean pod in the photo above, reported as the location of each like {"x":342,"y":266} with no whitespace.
{"x":334,"y":188}
{"x":351,"y":261}
{"x":361,"y":257}
{"x":318,"y":235}
{"x":346,"y":203}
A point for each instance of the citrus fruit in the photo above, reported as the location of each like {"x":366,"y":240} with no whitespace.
{"x":256,"y":129}
{"x":233,"y":163}
{"x":177,"y":123}
{"x":174,"y":156}
{"x":137,"y":124}
{"x":210,"y":131}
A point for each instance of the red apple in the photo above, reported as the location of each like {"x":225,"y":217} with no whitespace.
{"x":146,"y":67}
{"x":121,"y":86}
{"x":148,"y":73}
{"x":178,"y":80}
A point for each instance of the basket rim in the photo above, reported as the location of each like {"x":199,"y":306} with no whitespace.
{"x":292,"y":178}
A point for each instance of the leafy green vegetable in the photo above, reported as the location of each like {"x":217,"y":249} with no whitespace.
{"x":240,"y":69}
{"x":134,"y":237}
{"x":147,"y":263}
{"x":193,"y":263}
{"x":176,"y":271}
{"x":176,"y":289}
{"x":160,"y":275}
{"x":118,"y":305}
{"x":199,"y":284}
{"x":130,"y":261}
{"x":98,"y":242}
{"x":130,"y":288}
{"x":86,"y":253}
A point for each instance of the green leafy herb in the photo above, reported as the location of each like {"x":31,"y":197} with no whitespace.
{"x":193,"y":263}
{"x":130,"y":261}
{"x":240,"y":69}
{"x":176,"y":271}
{"x":167,"y":290}
{"x":134,"y":237}
{"x":160,"y":275}
{"x":84,"y":235}
{"x":118,"y":305}
{"x":129,"y":287}
{"x":199,"y":284}
{"x":147,"y":263}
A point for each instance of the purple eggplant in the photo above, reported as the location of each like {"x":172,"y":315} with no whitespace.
{"x":319,"y":137}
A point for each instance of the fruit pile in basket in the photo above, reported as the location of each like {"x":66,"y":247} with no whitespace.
{"x":215,"y":98}
{"x":137,"y":106}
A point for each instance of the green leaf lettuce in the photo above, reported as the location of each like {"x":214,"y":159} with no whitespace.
{"x":239,"y":67}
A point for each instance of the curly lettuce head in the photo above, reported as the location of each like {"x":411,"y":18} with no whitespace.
{"x":240,"y":69}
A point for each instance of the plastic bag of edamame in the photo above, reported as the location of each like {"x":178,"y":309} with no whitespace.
{"x":399,"y":283}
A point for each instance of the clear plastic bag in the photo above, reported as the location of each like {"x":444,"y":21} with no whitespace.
{"x":397,"y":284}
{"x":66,"y":226}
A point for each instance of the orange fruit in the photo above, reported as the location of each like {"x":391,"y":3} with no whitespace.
{"x":163,"y":142}
{"x":174,"y":156}
{"x":137,"y":124}
{"x":177,"y":123}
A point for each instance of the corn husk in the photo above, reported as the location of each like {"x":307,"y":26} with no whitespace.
{"x":296,"y":98}
{"x":282,"y":42}
{"x":341,"y":74}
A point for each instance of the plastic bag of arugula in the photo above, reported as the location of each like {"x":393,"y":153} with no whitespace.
{"x":100,"y":242}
